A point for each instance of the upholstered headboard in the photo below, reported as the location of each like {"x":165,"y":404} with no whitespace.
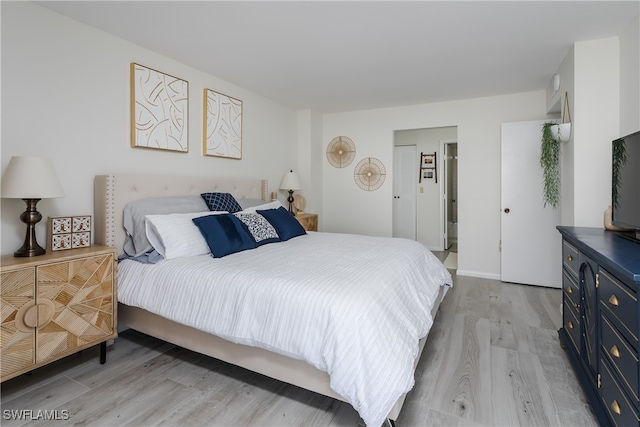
{"x":113,"y":192}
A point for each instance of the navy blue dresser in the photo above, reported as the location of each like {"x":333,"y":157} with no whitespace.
{"x":600,"y":281}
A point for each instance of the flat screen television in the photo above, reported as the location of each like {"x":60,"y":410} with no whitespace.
{"x":625,"y":203}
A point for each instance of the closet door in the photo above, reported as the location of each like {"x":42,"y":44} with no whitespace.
{"x":405,"y":178}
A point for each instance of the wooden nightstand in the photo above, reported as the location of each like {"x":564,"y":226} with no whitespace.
{"x":55,"y":305}
{"x":309,"y":221}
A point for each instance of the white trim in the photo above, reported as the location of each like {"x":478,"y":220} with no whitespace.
{"x":443,"y":181}
{"x":479,"y":274}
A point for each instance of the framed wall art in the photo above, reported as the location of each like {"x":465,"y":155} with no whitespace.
{"x":428,"y":167}
{"x":159,"y":110}
{"x":222,"y":125}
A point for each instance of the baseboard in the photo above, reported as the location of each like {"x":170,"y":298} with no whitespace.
{"x":479,"y":274}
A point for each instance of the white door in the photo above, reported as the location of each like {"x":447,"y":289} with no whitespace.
{"x":531,"y":245}
{"x":405,"y":178}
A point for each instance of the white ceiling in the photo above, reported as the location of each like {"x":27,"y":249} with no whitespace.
{"x":350,"y":55}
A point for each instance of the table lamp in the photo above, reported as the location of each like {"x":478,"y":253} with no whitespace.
{"x":30,"y":179}
{"x":290,"y":182}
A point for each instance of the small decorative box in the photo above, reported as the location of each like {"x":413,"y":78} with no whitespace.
{"x":69,"y":232}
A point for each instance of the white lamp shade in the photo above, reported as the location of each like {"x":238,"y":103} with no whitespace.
{"x":30,"y":178}
{"x":290,"y":181}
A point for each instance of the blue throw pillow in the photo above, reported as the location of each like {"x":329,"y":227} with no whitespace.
{"x":259,"y":228}
{"x":221,"y":202}
{"x":224,"y":234}
{"x":286,"y":225}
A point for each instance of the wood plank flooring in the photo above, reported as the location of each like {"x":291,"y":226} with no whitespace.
{"x":492,"y":358}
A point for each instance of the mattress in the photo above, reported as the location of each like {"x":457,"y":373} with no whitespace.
{"x":353,"y":306}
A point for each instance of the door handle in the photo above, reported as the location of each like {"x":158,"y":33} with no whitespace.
{"x":507,"y":210}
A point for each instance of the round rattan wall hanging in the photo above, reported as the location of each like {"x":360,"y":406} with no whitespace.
{"x":341,"y":151}
{"x":369,"y":174}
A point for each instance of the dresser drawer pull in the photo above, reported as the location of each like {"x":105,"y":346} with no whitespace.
{"x":615,"y":407}
{"x":615,"y":352}
{"x":569,"y":258}
{"x":570,"y":325}
{"x":613,"y":300}
{"x":569,"y":290}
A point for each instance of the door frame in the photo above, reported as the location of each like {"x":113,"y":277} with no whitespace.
{"x":444,"y":234}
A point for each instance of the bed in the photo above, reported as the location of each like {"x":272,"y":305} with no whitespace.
{"x":376,"y":399}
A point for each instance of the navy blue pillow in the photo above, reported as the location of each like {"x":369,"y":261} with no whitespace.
{"x":224,"y":234}
{"x":286,"y":225}
{"x":221,"y":202}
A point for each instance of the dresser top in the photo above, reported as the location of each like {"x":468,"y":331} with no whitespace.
{"x":610,"y":249}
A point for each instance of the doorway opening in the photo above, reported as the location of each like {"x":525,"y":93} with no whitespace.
{"x":450,"y":189}
{"x":426,"y":187}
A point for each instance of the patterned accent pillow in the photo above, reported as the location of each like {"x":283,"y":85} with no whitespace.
{"x":221,"y":202}
{"x":259,"y":228}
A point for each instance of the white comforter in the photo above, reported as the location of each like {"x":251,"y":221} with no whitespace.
{"x":353,"y":306}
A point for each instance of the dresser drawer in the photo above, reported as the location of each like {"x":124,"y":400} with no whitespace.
{"x":623,"y":359}
{"x":571,"y":290}
{"x":571,"y":325}
{"x":620,"y":409}
{"x":620,"y":303}
{"x":570,"y":259}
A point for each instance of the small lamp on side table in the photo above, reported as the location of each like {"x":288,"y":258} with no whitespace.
{"x":30,"y":179}
{"x":290,"y":182}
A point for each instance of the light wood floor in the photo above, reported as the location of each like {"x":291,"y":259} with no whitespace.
{"x":492,"y":358}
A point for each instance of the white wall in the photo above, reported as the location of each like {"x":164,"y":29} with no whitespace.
{"x":66,"y":95}
{"x":596,"y":122}
{"x":347,"y":208}
{"x":630,"y":78}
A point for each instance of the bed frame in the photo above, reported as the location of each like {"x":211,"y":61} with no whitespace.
{"x":113,"y":192}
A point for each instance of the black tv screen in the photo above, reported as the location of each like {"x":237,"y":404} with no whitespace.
{"x":625,"y":201}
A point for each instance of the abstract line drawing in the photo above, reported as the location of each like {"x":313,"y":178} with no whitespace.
{"x":159,"y":110}
{"x":222,"y":125}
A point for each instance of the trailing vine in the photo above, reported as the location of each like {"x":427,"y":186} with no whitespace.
{"x":550,"y":164}
{"x":619,"y":160}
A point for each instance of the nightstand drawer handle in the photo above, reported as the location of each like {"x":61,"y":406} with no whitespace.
{"x":615,"y":407}
{"x":569,"y":258}
{"x":615,"y":352}
{"x":570,"y":325}
{"x":569,"y":290}
{"x":613,"y":300}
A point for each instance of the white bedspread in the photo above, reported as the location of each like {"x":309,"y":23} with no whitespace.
{"x":353,"y":306}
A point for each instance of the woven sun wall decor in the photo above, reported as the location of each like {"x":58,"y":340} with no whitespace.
{"x":159,"y":110}
{"x":369,"y":174}
{"x":341,"y":151}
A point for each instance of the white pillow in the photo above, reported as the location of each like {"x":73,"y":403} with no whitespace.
{"x":271,"y":205}
{"x":175,"y":235}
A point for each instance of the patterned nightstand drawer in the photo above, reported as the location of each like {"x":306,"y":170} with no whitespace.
{"x":69,"y":232}
{"x":308,"y":221}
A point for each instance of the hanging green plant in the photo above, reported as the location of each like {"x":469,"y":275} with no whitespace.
{"x":550,"y":164}
{"x":619,"y":160}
